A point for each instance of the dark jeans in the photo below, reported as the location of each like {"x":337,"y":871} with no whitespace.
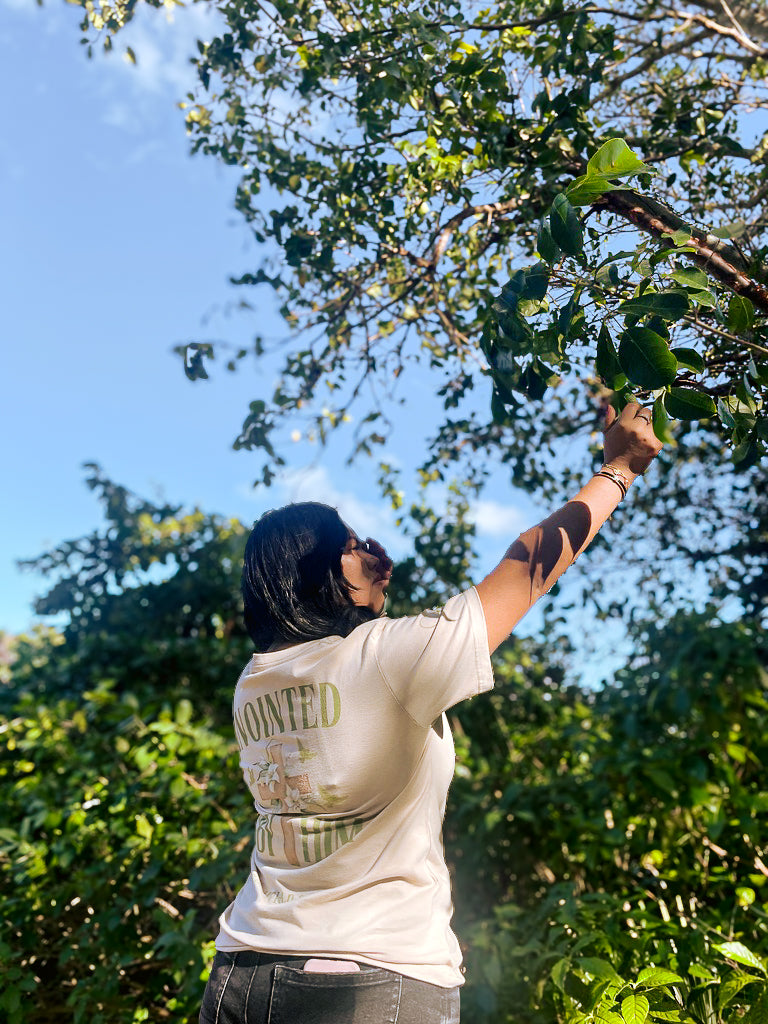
{"x":258,"y":988}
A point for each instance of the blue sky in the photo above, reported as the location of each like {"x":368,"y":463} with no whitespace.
{"x":117,"y":246}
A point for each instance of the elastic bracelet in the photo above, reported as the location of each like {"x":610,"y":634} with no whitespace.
{"x":618,"y":478}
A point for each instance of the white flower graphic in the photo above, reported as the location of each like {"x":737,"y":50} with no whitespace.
{"x":267,"y":773}
{"x":293,"y":799}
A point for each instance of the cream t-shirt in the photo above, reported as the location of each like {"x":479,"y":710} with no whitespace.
{"x":348,"y":755}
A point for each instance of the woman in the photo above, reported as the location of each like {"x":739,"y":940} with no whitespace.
{"x":344,"y":744}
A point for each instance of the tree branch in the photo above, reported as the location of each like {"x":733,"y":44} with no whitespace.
{"x":736,"y":32}
{"x":657,"y":53}
{"x":491,"y":209}
{"x":752,"y":18}
{"x":720,"y":260}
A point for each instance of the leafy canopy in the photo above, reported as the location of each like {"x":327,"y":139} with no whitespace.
{"x":402,"y":162}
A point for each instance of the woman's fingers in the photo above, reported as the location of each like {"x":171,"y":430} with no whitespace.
{"x":632,"y":443}
{"x":629,"y":413}
{"x":379,"y":553}
{"x":633,"y":412}
{"x":645,"y":427}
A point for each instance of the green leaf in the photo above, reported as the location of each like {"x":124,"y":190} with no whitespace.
{"x":738,"y":952}
{"x":498,"y":407}
{"x":731,"y":987}
{"x":532,"y":383}
{"x":679,"y":237}
{"x":745,"y":394}
{"x":143,"y":826}
{"x":739,"y":753}
{"x":608,"y":276}
{"x":607,"y":365}
{"x":634,"y":1009}
{"x":745,"y":895}
{"x":654,"y":977}
{"x":697,"y":971}
{"x":660,"y":422}
{"x":658,"y":326}
{"x":615,"y":159}
{"x":535,"y":282}
{"x":689,"y":358}
{"x":566,"y":315}
{"x":531,"y":307}
{"x":660,"y":256}
{"x":566,"y":227}
{"x":689,"y":404}
{"x":492,"y":971}
{"x":559,"y":973}
{"x":510,"y":293}
{"x":585,"y":190}
{"x":725,"y":413}
{"x":514,"y":332}
{"x":758,"y":372}
{"x":606,"y":1016}
{"x":746,"y":453}
{"x":615,"y":257}
{"x":705,"y":298}
{"x":690,"y":277}
{"x":646,"y":359}
{"x":596,"y":967}
{"x":741,"y":314}
{"x":669,"y":305}
{"x":548,"y":249}
{"x":732,"y":230}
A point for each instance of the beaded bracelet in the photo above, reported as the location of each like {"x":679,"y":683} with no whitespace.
{"x":618,"y":478}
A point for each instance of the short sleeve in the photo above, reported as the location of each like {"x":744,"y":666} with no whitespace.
{"x":434,"y":660}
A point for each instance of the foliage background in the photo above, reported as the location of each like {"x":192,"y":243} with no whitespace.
{"x":592,"y":835}
{"x":606,"y":845}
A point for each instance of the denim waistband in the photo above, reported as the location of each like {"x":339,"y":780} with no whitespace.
{"x":253,"y":958}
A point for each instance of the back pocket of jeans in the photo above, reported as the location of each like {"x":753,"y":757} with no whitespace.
{"x":302,"y":997}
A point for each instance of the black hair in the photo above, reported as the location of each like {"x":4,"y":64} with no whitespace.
{"x":293,"y":585}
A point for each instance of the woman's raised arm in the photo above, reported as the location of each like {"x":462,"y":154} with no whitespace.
{"x":539,"y":557}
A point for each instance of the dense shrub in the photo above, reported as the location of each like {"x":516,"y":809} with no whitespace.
{"x":125,"y":827}
{"x":619,"y":830}
{"x":608,"y":847}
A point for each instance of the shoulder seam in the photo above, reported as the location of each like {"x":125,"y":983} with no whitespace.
{"x":392,"y":693}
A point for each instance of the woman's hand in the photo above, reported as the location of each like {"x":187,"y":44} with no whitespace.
{"x":630,"y":443}
{"x":385,"y":563}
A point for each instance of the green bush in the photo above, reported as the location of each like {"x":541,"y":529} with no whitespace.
{"x":608,"y":847}
{"x":126,"y":824}
{"x":617,"y":831}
